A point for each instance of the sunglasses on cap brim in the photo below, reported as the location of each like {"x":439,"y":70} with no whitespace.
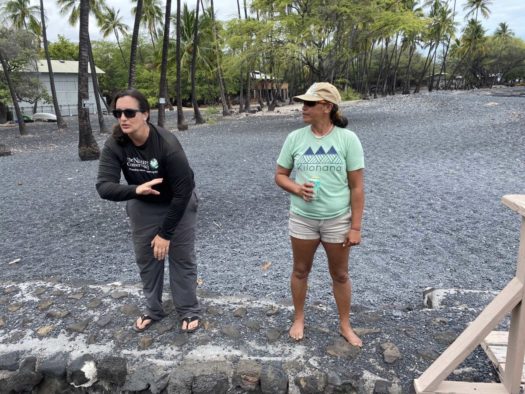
{"x":128,"y":113}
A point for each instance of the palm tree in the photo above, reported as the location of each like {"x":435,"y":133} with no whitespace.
{"x":198,"y":116}
{"x":181,"y":124}
{"x":60,"y":121}
{"x":475,"y":6}
{"x":96,"y":89}
{"x":87,"y":145}
{"x":111,"y":22}
{"x":503,"y":31}
{"x":72,"y":7}
{"x":151,"y":17}
{"x":502,"y":36}
{"x":469,"y":50}
{"x":22,"y":15}
{"x":225,"y":110}
{"x":134,"y":41}
{"x":164,"y":65}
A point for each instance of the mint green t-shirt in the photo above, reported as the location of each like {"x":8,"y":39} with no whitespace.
{"x":327,"y":159}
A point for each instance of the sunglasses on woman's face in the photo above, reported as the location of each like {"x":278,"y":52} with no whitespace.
{"x":313,"y":103}
{"x":128,"y":113}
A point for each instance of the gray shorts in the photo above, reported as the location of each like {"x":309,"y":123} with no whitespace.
{"x":332,"y":230}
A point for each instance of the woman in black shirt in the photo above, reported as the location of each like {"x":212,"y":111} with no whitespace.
{"x":161,"y":205}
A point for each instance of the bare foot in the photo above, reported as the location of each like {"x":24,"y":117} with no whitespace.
{"x":142,"y":323}
{"x":297,"y":330}
{"x":350,"y":336}
{"x":190,"y":324}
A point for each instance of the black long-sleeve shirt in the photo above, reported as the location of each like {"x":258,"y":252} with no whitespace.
{"x":161,"y":156}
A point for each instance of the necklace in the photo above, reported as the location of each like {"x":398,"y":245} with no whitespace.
{"x":322,"y":134}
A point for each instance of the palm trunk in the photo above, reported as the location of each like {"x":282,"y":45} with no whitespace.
{"x":384,"y":48}
{"x":431,"y":79}
{"x":60,"y":120}
{"x":164,"y":66}
{"x":96,"y":90}
{"x":120,"y":48}
{"x":425,"y":68}
{"x":248,"y":99}
{"x":388,"y":75}
{"x":87,"y":145}
{"x":134,"y":41}
{"x":181,"y":124}
{"x":408,"y":74}
{"x":225,"y":110}
{"x":197,"y":113}
{"x":21,"y":123}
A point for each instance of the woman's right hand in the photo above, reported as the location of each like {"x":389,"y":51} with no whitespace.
{"x":147,"y":188}
{"x":306,"y":191}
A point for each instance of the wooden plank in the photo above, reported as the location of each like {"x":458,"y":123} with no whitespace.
{"x":516,"y":202}
{"x":502,"y":368}
{"x":495,"y":353}
{"x":495,"y":346}
{"x":497,"y":338}
{"x":472,"y":336}
{"x":449,"y":387}
{"x":516,"y":346}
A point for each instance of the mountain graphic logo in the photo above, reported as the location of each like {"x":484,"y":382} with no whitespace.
{"x":321,"y":156}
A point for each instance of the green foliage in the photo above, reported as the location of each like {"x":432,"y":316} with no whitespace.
{"x":148,"y":83}
{"x":5,"y":97}
{"x":349,"y":94}
{"x":63,"y":49}
{"x":108,"y":58}
{"x":18,"y":48}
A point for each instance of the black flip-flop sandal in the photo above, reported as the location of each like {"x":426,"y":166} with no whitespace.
{"x":142,"y":318}
{"x":188,"y":320}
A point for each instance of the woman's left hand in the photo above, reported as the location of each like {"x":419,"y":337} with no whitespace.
{"x":160,"y":247}
{"x":353,"y":238}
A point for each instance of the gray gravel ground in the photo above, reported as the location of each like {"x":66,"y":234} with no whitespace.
{"x":436,"y":167}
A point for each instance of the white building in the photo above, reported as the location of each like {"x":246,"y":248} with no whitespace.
{"x":66,"y":85}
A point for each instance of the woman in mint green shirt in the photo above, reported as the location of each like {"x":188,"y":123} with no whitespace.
{"x":327,"y":199}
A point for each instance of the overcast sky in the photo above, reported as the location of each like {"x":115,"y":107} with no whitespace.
{"x":510,"y":11}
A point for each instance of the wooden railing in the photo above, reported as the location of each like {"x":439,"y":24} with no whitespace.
{"x":510,"y":299}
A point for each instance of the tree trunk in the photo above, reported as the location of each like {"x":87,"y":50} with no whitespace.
{"x":134,"y":41}
{"x":87,"y":145}
{"x":384,"y":48}
{"x":431,"y":79}
{"x":396,"y":67}
{"x":196,"y":111}
{"x":96,"y":90}
{"x":247,"y":103}
{"x":60,"y":120}
{"x":388,"y":75}
{"x":225,"y":110}
{"x":164,"y":66}
{"x":425,"y":68}
{"x":120,"y":48}
{"x":408,"y":74}
{"x":181,"y":124}
{"x":21,"y":123}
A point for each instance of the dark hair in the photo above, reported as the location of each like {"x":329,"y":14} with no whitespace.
{"x":118,"y":135}
{"x":337,"y":117}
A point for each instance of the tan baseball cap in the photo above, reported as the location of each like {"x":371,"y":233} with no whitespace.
{"x":321,"y":91}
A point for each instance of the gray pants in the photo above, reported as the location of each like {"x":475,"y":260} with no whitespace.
{"x":146,"y":219}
